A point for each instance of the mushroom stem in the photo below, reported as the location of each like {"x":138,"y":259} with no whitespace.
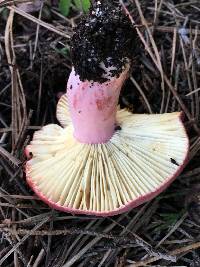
{"x":93,"y":107}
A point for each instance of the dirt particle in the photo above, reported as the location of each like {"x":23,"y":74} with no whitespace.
{"x":118,"y":128}
{"x":173,"y":161}
{"x":30,"y":154}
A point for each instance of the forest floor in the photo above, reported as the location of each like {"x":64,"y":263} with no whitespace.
{"x":34,"y":67}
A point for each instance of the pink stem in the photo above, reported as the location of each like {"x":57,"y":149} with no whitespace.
{"x":93,"y":107}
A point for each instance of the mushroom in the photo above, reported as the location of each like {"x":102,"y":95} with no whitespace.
{"x":102,"y":160}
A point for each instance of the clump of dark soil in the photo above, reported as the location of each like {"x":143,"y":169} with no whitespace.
{"x":105,"y":35}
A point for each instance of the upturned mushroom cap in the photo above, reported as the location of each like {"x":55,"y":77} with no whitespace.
{"x":145,"y":154}
{"x":103,"y":161}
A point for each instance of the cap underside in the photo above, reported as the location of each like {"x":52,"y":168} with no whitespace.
{"x":106,"y":179}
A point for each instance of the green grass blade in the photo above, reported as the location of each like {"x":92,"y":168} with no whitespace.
{"x":64,"y":6}
{"x":86,"y":5}
{"x":82,"y":5}
{"x":78,"y":4}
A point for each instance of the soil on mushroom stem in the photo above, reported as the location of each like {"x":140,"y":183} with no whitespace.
{"x":105,"y":36}
{"x":115,"y":238}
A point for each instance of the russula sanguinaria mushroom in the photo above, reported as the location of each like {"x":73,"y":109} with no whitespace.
{"x":103,"y":161}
